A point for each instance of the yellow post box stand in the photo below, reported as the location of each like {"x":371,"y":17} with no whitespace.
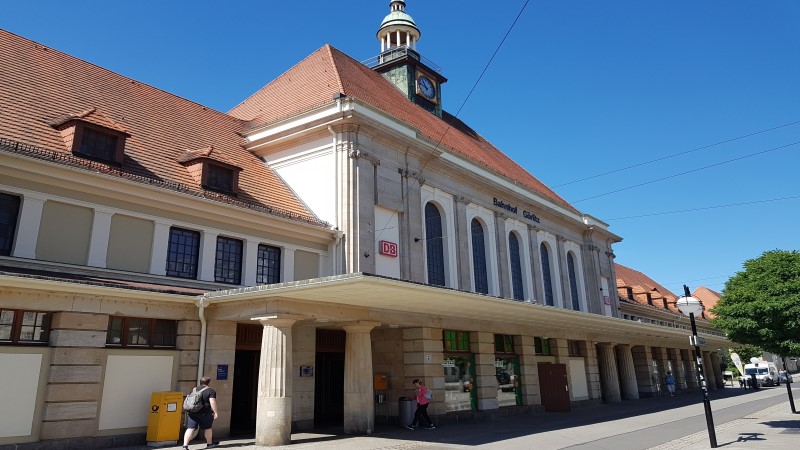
{"x":164,"y":420}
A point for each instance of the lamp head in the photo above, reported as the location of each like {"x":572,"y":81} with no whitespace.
{"x":689,"y":305}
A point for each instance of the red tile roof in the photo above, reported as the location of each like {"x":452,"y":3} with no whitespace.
{"x":642,"y":285}
{"x":313,"y":82}
{"x":40,"y":86}
{"x":708,"y":297}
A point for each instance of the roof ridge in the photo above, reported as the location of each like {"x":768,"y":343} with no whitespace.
{"x":262,"y":88}
{"x":330,"y":50}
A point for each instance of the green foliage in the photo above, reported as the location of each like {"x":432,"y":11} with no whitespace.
{"x":746,"y":352}
{"x":760,"y":306}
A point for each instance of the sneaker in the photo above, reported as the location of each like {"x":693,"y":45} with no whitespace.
{"x":212,"y":445}
{"x":432,"y":427}
{"x":409,"y":427}
{"x":185,"y":447}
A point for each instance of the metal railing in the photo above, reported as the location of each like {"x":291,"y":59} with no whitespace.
{"x":397,"y":53}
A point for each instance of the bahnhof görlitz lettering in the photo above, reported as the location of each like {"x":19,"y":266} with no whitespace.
{"x":526,"y":214}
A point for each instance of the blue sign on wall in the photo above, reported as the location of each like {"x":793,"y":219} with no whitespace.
{"x":222,"y":371}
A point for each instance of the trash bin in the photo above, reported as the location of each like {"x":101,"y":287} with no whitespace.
{"x":407,"y":407}
{"x":164,"y":421}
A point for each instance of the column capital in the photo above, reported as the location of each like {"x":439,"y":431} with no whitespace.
{"x":361,"y":326}
{"x":279,"y":320}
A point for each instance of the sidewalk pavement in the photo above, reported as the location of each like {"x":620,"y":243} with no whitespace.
{"x":773,"y":427}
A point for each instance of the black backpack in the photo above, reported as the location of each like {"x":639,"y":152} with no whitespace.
{"x":194,"y":401}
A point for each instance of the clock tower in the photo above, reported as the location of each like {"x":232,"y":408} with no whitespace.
{"x":399,"y":62}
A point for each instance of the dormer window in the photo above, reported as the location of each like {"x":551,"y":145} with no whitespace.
{"x":95,"y":144}
{"x":219,"y":178}
{"x":93,"y":136}
{"x":212,"y":170}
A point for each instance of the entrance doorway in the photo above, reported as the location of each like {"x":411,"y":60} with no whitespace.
{"x":329,"y":378}
{"x":553,"y":387}
{"x":245,"y":378}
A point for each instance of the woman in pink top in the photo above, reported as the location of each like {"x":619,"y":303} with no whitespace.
{"x":422,"y":407}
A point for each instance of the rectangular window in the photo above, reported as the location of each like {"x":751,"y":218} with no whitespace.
{"x":183,"y":253}
{"x":574,"y":348}
{"x":24,"y":327}
{"x":136,"y":332}
{"x":98,"y":145}
{"x":541,"y":346}
{"x":9,"y":212}
{"x":503,"y":343}
{"x":228,"y":264}
{"x":268,"y":269}
{"x":456,"y":341}
{"x":220,"y":178}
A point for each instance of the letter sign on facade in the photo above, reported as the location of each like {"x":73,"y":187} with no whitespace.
{"x":388,"y":248}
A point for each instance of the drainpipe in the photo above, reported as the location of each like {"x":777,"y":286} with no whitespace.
{"x":201,"y":305}
{"x":337,"y":244}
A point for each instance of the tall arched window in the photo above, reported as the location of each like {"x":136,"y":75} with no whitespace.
{"x":573,"y":282}
{"x":548,"y":281}
{"x":479,"y":258}
{"x":516,"y":267}
{"x":434,"y":245}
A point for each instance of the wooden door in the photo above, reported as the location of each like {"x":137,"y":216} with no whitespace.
{"x":554,"y":387}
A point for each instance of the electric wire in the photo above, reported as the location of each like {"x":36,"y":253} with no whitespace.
{"x":449,"y":125}
{"x":677,"y":154}
{"x":686,"y":172}
{"x":705,"y":208}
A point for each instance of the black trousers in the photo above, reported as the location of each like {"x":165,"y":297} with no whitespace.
{"x":421,"y":413}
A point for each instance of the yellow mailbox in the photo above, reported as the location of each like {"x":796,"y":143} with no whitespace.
{"x":164,"y":421}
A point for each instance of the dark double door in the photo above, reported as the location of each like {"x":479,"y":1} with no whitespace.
{"x":329,"y":378}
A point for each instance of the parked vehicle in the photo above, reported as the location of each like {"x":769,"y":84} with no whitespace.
{"x":766,"y":373}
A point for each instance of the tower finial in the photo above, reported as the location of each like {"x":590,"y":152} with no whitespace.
{"x":398,"y":29}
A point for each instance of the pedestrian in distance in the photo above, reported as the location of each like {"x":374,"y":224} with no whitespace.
{"x":424,"y":396}
{"x":669,"y":380}
{"x":204,"y":418}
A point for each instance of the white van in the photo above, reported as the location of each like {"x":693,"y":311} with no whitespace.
{"x":766,"y":373}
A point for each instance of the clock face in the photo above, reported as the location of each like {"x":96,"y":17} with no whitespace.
{"x":426,"y":87}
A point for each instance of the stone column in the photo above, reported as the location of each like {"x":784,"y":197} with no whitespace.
{"x":708,"y":372}
{"x":687,"y":356}
{"x":529,"y":370}
{"x":642,"y":363}
{"x":609,"y":378}
{"x":501,"y":238}
{"x":359,"y":407}
{"x":482,"y":345}
{"x":422,"y":358}
{"x":717,"y":370}
{"x":74,"y":387}
{"x":627,"y":372}
{"x":274,"y":403}
{"x":593,"y":371}
{"x":461,"y":241}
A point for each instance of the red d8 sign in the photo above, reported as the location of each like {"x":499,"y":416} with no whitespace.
{"x":388,"y":248}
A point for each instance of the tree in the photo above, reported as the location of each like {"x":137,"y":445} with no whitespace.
{"x":760,"y":306}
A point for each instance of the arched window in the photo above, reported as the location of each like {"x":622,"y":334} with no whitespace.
{"x":434,"y":245}
{"x":516,"y":267}
{"x":573,"y":283}
{"x":548,"y":281}
{"x":479,"y":258}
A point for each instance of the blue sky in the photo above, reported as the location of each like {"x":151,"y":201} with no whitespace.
{"x":578,"y":89}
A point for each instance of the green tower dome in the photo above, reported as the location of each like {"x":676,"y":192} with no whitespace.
{"x":398,"y":21}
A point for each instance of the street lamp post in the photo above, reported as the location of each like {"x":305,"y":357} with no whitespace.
{"x":688,"y":306}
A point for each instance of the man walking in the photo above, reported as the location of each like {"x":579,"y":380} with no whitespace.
{"x":203,"y":419}
{"x":669,"y":380}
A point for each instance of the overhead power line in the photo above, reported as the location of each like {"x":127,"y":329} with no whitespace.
{"x":705,"y":208}
{"x":677,"y":154}
{"x":686,"y":172}
{"x":449,"y":126}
